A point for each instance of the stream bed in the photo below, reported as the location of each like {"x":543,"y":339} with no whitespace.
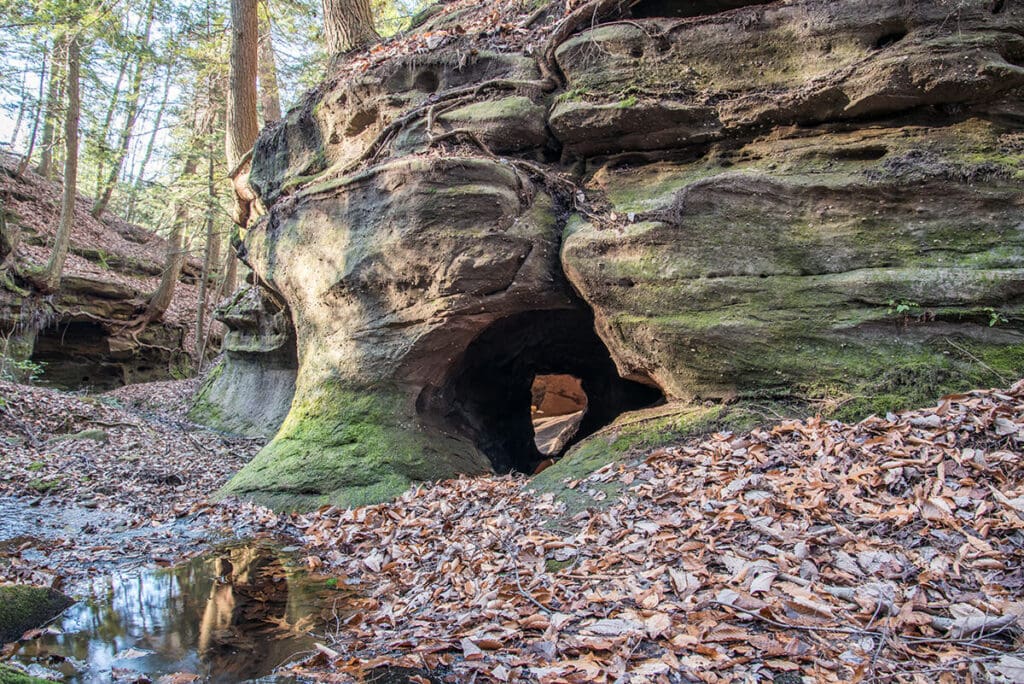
{"x":235,"y":614}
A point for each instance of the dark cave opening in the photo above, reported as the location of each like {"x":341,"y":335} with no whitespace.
{"x":72,"y":355}
{"x":490,"y":394}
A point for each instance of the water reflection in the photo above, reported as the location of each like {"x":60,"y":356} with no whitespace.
{"x":233,"y":615}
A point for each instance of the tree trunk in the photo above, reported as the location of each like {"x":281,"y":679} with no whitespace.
{"x":242,"y":119}
{"x":55,"y":266}
{"x":348,"y":25}
{"x":230,"y":272}
{"x":141,"y":177}
{"x":175,"y":259}
{"x":131,"y":116}
{"x":209,"y":259}
{"x":35,"y":120}
{"x":270,"y":99}
{"x":53,"y":106}
{"x":104,"y":135}
{"x":22,"y":98}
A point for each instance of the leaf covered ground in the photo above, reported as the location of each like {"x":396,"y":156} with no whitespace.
{"x":889,"y":550}
{"x":89,"y":482}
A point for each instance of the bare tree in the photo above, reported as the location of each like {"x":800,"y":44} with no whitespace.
{"x":55,"y":266}
{"x":35,"y":119}
{"x":131,"y":116}
{"x":54,"y":99}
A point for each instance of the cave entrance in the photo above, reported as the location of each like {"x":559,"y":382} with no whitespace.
{"x":72,"y":355}
{"x":529,"y":364}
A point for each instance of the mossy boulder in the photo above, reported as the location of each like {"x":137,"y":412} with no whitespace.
{"x":849,"y":264}
{"x":23,"y":608}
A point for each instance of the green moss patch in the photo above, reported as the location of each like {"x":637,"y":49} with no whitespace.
{"x":8,"y":675}
{"x":23,"y":608}
{"x":349,"y":447}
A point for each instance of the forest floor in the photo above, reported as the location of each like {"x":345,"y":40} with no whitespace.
{"x":889,"y":550}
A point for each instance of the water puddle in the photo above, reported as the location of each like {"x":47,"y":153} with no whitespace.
{"x":233,"y":615}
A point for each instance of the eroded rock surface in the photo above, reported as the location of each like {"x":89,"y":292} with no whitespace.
{"x":809,"y":199}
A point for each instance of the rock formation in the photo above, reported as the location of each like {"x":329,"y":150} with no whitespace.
{"x":706,"y":201}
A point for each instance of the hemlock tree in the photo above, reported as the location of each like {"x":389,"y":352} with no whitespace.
{"x":348,"y":25}
{"x":242,"y":124}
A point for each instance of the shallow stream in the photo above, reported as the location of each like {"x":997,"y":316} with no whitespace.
{"x":232,"y":615}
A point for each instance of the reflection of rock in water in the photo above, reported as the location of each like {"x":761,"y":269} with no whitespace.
{"x":247,"y":606}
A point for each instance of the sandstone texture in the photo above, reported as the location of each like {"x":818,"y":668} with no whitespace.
{"x":811,"y":202}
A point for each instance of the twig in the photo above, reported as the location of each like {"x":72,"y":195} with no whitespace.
{"x":22,"y":426}
{"x":513,"y":552}
{"x":805,"y":628}
{"x":981,"y":363}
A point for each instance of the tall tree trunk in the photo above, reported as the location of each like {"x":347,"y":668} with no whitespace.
{"x":131,"y":116}
{"x":270,"y":98}
{"x":242,"y":119}
{"x":230,"y":272}
{"x":209,"y":259}
{"x":104,"y":136}
{"x":53,"y":106}
{"x":140,"y":178}
{"x":173,"y":263}
{"x":348,"y":25}
{"x":22,"y":99}
{"x":35,"y":120}
{"x":55,"y":266}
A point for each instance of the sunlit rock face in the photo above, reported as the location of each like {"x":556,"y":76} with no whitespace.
{"x":815,"y":199}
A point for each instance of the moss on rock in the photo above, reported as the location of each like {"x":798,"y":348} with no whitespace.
{"x":349,"y":447}
{"x":9,"y":675}
{"x":23,"y":608}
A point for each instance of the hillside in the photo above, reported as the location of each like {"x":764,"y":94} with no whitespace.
{"x":78,"y":335}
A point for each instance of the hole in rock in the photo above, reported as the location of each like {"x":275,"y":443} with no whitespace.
{"x":688,"y":8}
{"x":71,"y":354}
{"x":551,"y":357}
{"x":890,"y":38}
{"x":426,"y":82}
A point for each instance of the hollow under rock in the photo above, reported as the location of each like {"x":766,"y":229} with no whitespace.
{"x":489,"y":394}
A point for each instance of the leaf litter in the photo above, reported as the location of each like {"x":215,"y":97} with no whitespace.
{"x":889,"y":550}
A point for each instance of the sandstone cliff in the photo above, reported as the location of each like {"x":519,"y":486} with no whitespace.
{"x":814,"y":203}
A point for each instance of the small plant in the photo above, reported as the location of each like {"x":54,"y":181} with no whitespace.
{"x":42,"y":486}
{"x":331,"y":583}
{"x":35,"y":465}
{"x":20,"y":370}
{"x":628,"y":102}
{"x":102,"y":256}
{"x":903,"y":307}
{"x":995,"y":317}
